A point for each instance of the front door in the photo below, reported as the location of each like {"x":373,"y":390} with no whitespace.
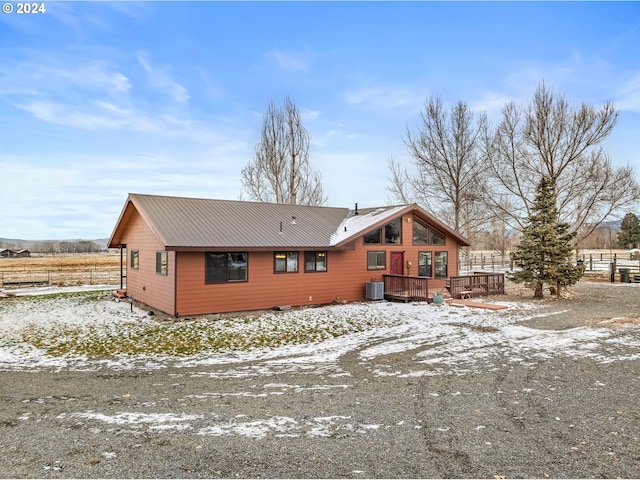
{"x":397,"y":263}
{"x":397,"y":268}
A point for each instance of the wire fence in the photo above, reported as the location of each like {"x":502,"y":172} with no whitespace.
{"x":594,"y":262}
{"x":67,"y":277}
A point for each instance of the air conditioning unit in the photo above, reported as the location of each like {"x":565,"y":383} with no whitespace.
{"x":375,"y":291}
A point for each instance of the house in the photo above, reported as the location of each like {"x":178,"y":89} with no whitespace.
{"x":189,"y":256}
{"x":6,"y":253}
{"x":22,"y":253}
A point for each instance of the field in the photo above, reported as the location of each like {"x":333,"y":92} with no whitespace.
{"x":89,"y":269}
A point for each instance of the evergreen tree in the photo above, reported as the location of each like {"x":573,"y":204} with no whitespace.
{"x":544,"y":252}
{"x":629,"y":234}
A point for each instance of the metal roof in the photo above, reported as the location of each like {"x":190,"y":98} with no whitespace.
{"x":196,"y":223}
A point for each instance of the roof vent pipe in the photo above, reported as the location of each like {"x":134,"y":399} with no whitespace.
{"x":356,"y":212}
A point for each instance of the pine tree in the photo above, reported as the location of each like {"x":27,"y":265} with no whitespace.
{"x":629,"y":234}
{"x":544,"y":252}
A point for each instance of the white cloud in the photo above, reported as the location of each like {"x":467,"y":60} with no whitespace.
{"x":382,"y":98}
{"x":160,"y":79}
{"x":628,"y":97}
{"x":290,"y":59}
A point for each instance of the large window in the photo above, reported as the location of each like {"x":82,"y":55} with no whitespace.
{"x":376,"y":260}
{"x":424,"y":264}
{"x":161,"y":263}
{"x":286,"y":262}
{"x":135,"y":259}
{"x":222,"y":267}
{"x":315,"y":261}
{"x":390,"y":233}
{"x":423,"y":235}
{"x":440,"y":264}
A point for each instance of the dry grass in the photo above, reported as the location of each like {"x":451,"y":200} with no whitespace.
{"x":98,"y":261}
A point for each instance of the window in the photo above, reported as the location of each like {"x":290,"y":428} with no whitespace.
{"x":437,"y":238}
{"x":376,"y":260}
{"x":225,"y":267}
{"x":315,"y":261}
{"x":423,"y":235}
{"x":391,"y":233}
{"x":424,"y":264}
{"x":440,"y":264}
{"x":286,"y":262}
{"x":372,"y":237}
{"x":135,"y":259}
{"x":161,"y":263}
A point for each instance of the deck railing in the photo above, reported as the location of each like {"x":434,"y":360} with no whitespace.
{"x":402,"y":287}
{"x":479,"y":284}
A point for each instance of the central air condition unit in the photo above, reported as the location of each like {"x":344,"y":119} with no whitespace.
{"x":375,"y":291}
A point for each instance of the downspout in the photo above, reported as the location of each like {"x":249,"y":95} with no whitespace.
{"x":121,"y":268}
{"x":175,"y":284}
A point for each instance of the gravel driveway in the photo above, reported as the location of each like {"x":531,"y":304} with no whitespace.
{"x":526,"y":413}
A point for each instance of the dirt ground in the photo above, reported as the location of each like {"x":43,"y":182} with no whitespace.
{"x":519,"y":414}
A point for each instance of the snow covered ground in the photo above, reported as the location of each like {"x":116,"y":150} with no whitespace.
{"x":87,"y":330}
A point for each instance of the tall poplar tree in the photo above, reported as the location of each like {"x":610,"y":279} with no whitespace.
{"x":544,"y":252}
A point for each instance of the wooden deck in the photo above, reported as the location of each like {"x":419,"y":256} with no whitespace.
{"x":405,"y":288}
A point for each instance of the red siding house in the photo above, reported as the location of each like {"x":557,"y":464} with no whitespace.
{"x":189,"y":256}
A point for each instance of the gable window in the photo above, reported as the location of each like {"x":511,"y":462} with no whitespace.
{"x":135,"y":259}
{"x":161,"y":263}
{"x":423,"y":235}
{"x":373,"y":237}
{"x":286,"y":262}
{"x":440,"y":264}
{"x":376,"y":260}
{"x":390,"y":233}
{"x":315,"y":261}
{"x":223,"y":267}
{"x":424,"y":264}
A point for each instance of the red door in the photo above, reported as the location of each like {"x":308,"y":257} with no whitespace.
{"x":397,"y":268}
{"x":397,"y":263}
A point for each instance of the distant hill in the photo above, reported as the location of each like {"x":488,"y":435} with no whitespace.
{"x":35,"y":244}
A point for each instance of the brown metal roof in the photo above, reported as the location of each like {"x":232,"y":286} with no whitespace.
{"x":196,"y":223}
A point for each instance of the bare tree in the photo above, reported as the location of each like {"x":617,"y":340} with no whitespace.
{"x":280,"y":171}
{"x":447,"y":154}
{"x":399,"y":183}
{"x":552,"y":139}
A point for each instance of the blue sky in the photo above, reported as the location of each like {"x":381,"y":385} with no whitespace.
{"x":101,"y":99}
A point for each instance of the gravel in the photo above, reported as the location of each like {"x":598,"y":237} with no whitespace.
{"x":544,"y":416}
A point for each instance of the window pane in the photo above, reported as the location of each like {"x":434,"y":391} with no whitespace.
{"x":237,"y":267}
{"x":392,"y":232}
{"x":292,"y":262}
{"x":372,"y":237}
{"x":281,"y":262}
{"x":437,"y":238}
{"x":216,"y":267}
{"x":309,"y":261}
{"x":420,"y":233}
{"x":135,"y":258}
{"x":161,"y":263}
{"x":440,"y":264}
{"x":424,"y":264}
{"x":321,"y":262}
{"x":376,"y":260}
